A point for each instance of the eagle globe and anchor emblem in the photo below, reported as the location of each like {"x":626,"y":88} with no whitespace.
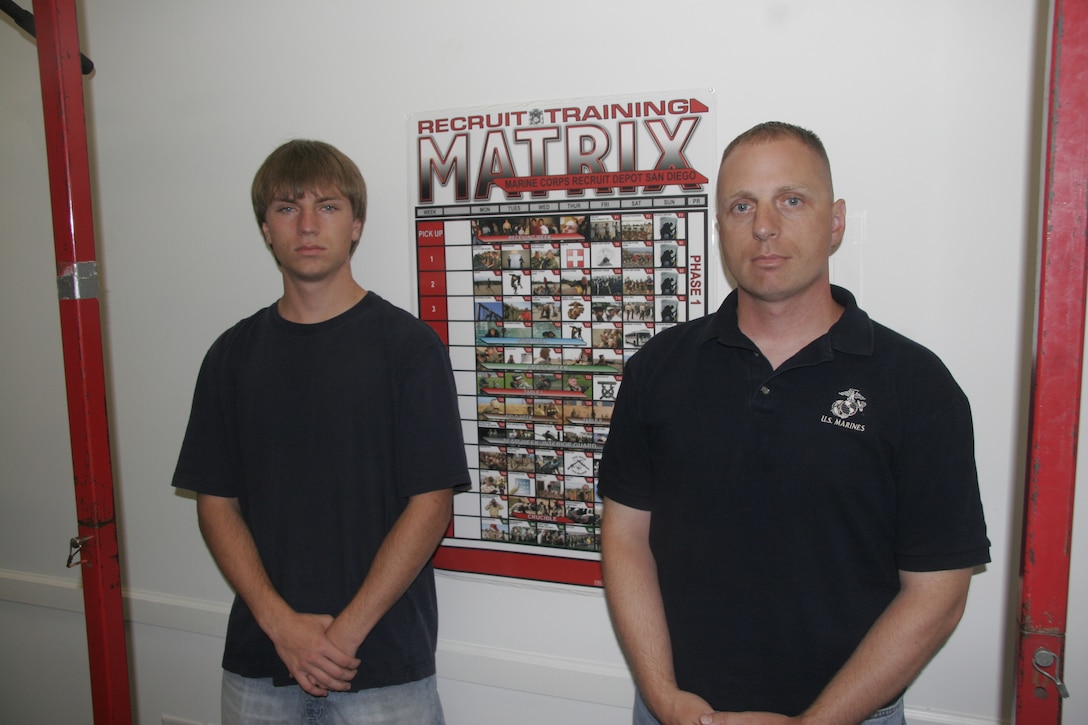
{"x":853,"y":404}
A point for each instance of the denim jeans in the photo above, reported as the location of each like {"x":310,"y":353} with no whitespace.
{"x":891,"y":715}
{"x":253,"y":701}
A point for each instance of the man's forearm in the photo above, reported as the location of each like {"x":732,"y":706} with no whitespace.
{"x":231,"y":545}
{"x":404,"y":552}
{"x":314,"y":661}
{"x":638,"y":614}
{"x":897,"y":647}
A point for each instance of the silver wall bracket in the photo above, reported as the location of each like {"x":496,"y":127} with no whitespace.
{"x":1044,"y":658}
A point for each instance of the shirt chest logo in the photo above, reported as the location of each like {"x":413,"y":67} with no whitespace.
{"x":853,"y":402}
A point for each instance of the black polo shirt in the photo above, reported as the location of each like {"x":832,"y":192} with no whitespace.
{"x":786,"y":501}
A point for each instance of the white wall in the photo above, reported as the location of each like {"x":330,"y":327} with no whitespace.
{"x":930,"y":111}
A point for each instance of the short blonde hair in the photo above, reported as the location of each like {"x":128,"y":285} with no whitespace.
{"x":777,"y":130}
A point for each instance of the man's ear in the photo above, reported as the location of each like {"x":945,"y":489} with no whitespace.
{"x":838,"y":225}
{"x":356,"y":234}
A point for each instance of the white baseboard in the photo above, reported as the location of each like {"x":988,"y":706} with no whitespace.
{"x":141,"y":607}
{"x":559,"y":677}
{"x":924,"y":717}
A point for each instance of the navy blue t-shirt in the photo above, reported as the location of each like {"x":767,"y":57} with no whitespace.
{"x":323,"y":432}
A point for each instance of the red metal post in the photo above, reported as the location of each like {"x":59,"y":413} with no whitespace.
{"x":81,"y":336}
{"x":1055,"y":407}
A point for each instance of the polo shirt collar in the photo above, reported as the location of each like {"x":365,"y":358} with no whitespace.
{"x":852,"y":333}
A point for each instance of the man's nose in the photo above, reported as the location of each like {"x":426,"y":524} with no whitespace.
{"x":765,"y":224}
{"x":307,"y":219}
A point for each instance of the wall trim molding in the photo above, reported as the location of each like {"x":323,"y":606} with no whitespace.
{"x":560,"y":677}
{"x":199,"y":616}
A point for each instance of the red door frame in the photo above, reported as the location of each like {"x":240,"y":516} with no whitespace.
{"x":1056,"y":383}
{"x":81,"y":337}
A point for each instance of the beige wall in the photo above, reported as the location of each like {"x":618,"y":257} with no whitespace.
{"x":929,"y":110}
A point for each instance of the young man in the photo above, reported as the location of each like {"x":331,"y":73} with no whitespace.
{"x":792,"y":511}
{"x":324,"y":445}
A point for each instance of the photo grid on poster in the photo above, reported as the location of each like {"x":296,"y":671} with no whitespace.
{"x":554,"y":239}
{"x":542,"y":311}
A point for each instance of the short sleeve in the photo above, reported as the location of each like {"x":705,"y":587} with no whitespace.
{"x":939,"y":521}
{"x":626,"y":470}
{"x":429,"y":422}
{"x":207,"y":462}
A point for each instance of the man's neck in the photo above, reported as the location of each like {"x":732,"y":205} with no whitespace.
{"x":782,"y":328}
{"x":312,"y":302}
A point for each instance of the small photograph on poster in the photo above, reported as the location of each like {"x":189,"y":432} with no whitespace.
{"x":514,"y":256}
{"x":574,"y":282}
{"x":605,"y":310}
{"x":522,"y":532}
{"x":493,"y":482}
{"x":574,"y":226}
{"x":488,"y":284}
{"x":515,"y":282}
{"x":581,"y":489}
{"x":521,"y":485}
{"x":636,"y":226}
{"x":494,"y":530}
{"x":607,"y":282}
{"x":488,"y":258}
{"x":604,"y":228}
{"x":637,"y":254}
{"x":669,"y":310}
{"x":636,"y":335}
{"x":606,"y":255}
{"x":548,"y":487}
{"x":517,"y":309}
{"x":609,"y":335}
{"x":492,"y":458}
{"x":668,"y":282}
{"x":546,"y":282}
{"x":578,"y":512}
{"x":638,"y":282}
{"x":667,"y":227}
{"x":549,"y":534}
{"x":494,"y":507}
{"x":520,"y":460}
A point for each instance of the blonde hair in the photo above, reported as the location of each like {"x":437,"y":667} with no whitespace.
{"x":776,"y":130}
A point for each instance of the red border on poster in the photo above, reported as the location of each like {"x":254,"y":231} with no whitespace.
{"x":536,"y":567}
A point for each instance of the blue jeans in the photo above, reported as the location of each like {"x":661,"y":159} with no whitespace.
{"x":254,"y":701}
{"x":891,"y":715}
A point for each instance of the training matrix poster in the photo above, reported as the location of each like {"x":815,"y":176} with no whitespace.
{"x":553,"y":240}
